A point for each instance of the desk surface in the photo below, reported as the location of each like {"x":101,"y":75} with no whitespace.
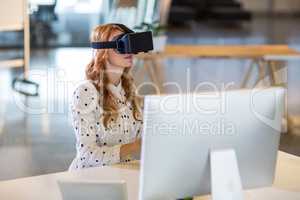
{"x":224,"y":51}
{"x":286,"y":184}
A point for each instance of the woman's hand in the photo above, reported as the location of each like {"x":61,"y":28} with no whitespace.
{"x":131,"y":151}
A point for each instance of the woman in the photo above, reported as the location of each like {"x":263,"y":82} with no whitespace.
{"x":105,"y":108}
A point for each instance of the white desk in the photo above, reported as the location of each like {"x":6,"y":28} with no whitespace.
{"x":286,"y":184}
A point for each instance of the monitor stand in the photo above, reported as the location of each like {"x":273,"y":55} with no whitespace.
{"x":225,"y":177}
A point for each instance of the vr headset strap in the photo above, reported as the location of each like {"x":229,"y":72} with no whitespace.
{"x":125,"y":28}
{"x":104,"y":45}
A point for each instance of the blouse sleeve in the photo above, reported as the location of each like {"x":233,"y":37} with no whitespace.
{"x":85,"y":121}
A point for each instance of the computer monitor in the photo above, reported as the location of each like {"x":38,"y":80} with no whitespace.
{"x":228,"y":137}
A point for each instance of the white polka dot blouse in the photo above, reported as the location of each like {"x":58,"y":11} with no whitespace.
{"x":97,"y":145}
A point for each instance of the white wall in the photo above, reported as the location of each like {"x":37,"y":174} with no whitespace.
{"x":282,"y":6}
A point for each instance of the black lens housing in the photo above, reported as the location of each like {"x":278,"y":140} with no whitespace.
{"x":128,"y":43}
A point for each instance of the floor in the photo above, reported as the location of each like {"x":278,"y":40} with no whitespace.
{"x":36,"y":135}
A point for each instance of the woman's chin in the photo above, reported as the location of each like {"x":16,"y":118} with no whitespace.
{"x":128,"y":64}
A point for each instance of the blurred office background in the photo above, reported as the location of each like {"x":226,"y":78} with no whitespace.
{"x":42,"y":141}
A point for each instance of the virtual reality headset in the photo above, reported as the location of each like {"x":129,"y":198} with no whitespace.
{"x":129,"y":42}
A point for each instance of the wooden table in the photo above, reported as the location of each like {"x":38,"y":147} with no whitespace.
{"x":286,"y":184}
{"x":222,"y":51}
{"x":265,"y":56}
{"x":268,"y":59}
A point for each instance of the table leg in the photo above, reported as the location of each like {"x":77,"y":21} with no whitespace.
{"x":248,"y":74}
{"x":271,"y":71}
{"x":262,"y":69}
{"x":260,"y":80}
